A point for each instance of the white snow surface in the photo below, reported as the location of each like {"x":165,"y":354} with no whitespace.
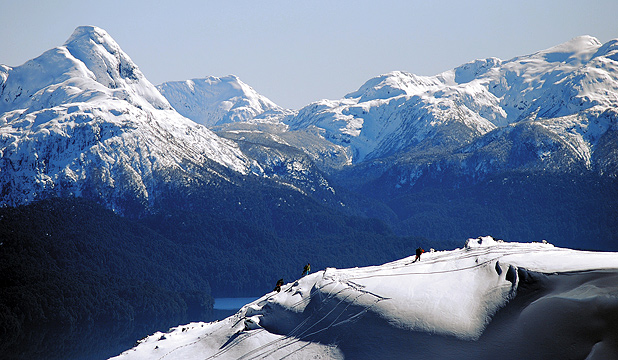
{"x":84,"y":109}
{"x":450,"y":296}
{"x":215,"y":101}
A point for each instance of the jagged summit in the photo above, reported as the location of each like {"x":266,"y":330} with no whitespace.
{"x":82,"y":119}
{"x":89,"y":66}
{"x":111,"y":66}
{"x":95,"y":33}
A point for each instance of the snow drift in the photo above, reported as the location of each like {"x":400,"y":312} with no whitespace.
{"x":490,"y":299}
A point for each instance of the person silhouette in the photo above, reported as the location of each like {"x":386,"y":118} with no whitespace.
{"x":306,"y":269}
{"x":419,"y":251}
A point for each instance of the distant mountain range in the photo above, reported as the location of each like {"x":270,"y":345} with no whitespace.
{"x":554,"y":110}
{"x":82,"y":119}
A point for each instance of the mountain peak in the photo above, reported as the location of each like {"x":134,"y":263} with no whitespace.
{"x":215,"y":100}
{"x":91,"y":62}
{"x":395,"y":83}
{"x":110,"y":65}
{"x":94,"y":33}
{"x":582,"y":41}
{"x":579,"y":49}
{"x":90,"y":97}
{"x":103,"y":56}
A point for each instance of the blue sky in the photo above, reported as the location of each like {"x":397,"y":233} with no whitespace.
{"x":296,"y":52}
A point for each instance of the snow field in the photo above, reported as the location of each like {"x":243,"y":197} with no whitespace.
{"x":452,"y":295}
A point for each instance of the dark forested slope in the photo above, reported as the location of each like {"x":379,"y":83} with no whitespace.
{"x":67,"y":261}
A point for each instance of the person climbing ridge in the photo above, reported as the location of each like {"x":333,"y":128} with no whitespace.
{"x":306,"y":269}
{"x":279,"y":285}
{"x":419,"y":251}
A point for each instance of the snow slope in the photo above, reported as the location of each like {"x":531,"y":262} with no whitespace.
{"x":490,"y":299}
{"x":81,"y":118}
{"x":215,"y":101}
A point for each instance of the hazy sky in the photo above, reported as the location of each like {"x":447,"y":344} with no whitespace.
{"x":296,"y":52}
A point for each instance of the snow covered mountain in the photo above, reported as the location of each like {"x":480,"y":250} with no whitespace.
{"x":554,"y":109}
{"x":556,"y":103}
{"x":236,"y":111}
{"x":488,"y":300}
{"x":81,"y":119}
{"x":551,"y":111}
{"x":214,"y":101}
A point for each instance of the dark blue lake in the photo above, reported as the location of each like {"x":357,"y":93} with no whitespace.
{"x":232,"y":303}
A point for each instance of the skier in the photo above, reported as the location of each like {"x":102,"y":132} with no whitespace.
{"x":306,"y":269}
{"x":279,"y":285}
{"x":419,"y":251}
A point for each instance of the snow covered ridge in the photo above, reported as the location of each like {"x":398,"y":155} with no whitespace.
{"x":549,"y":110}
{"x":214,"y":101}
{"x":490,"y":299}
{"x":570,"y":92}
{"x":82,"y":117}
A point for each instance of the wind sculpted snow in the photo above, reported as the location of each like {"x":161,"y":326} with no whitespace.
{"x":490,"y":299}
